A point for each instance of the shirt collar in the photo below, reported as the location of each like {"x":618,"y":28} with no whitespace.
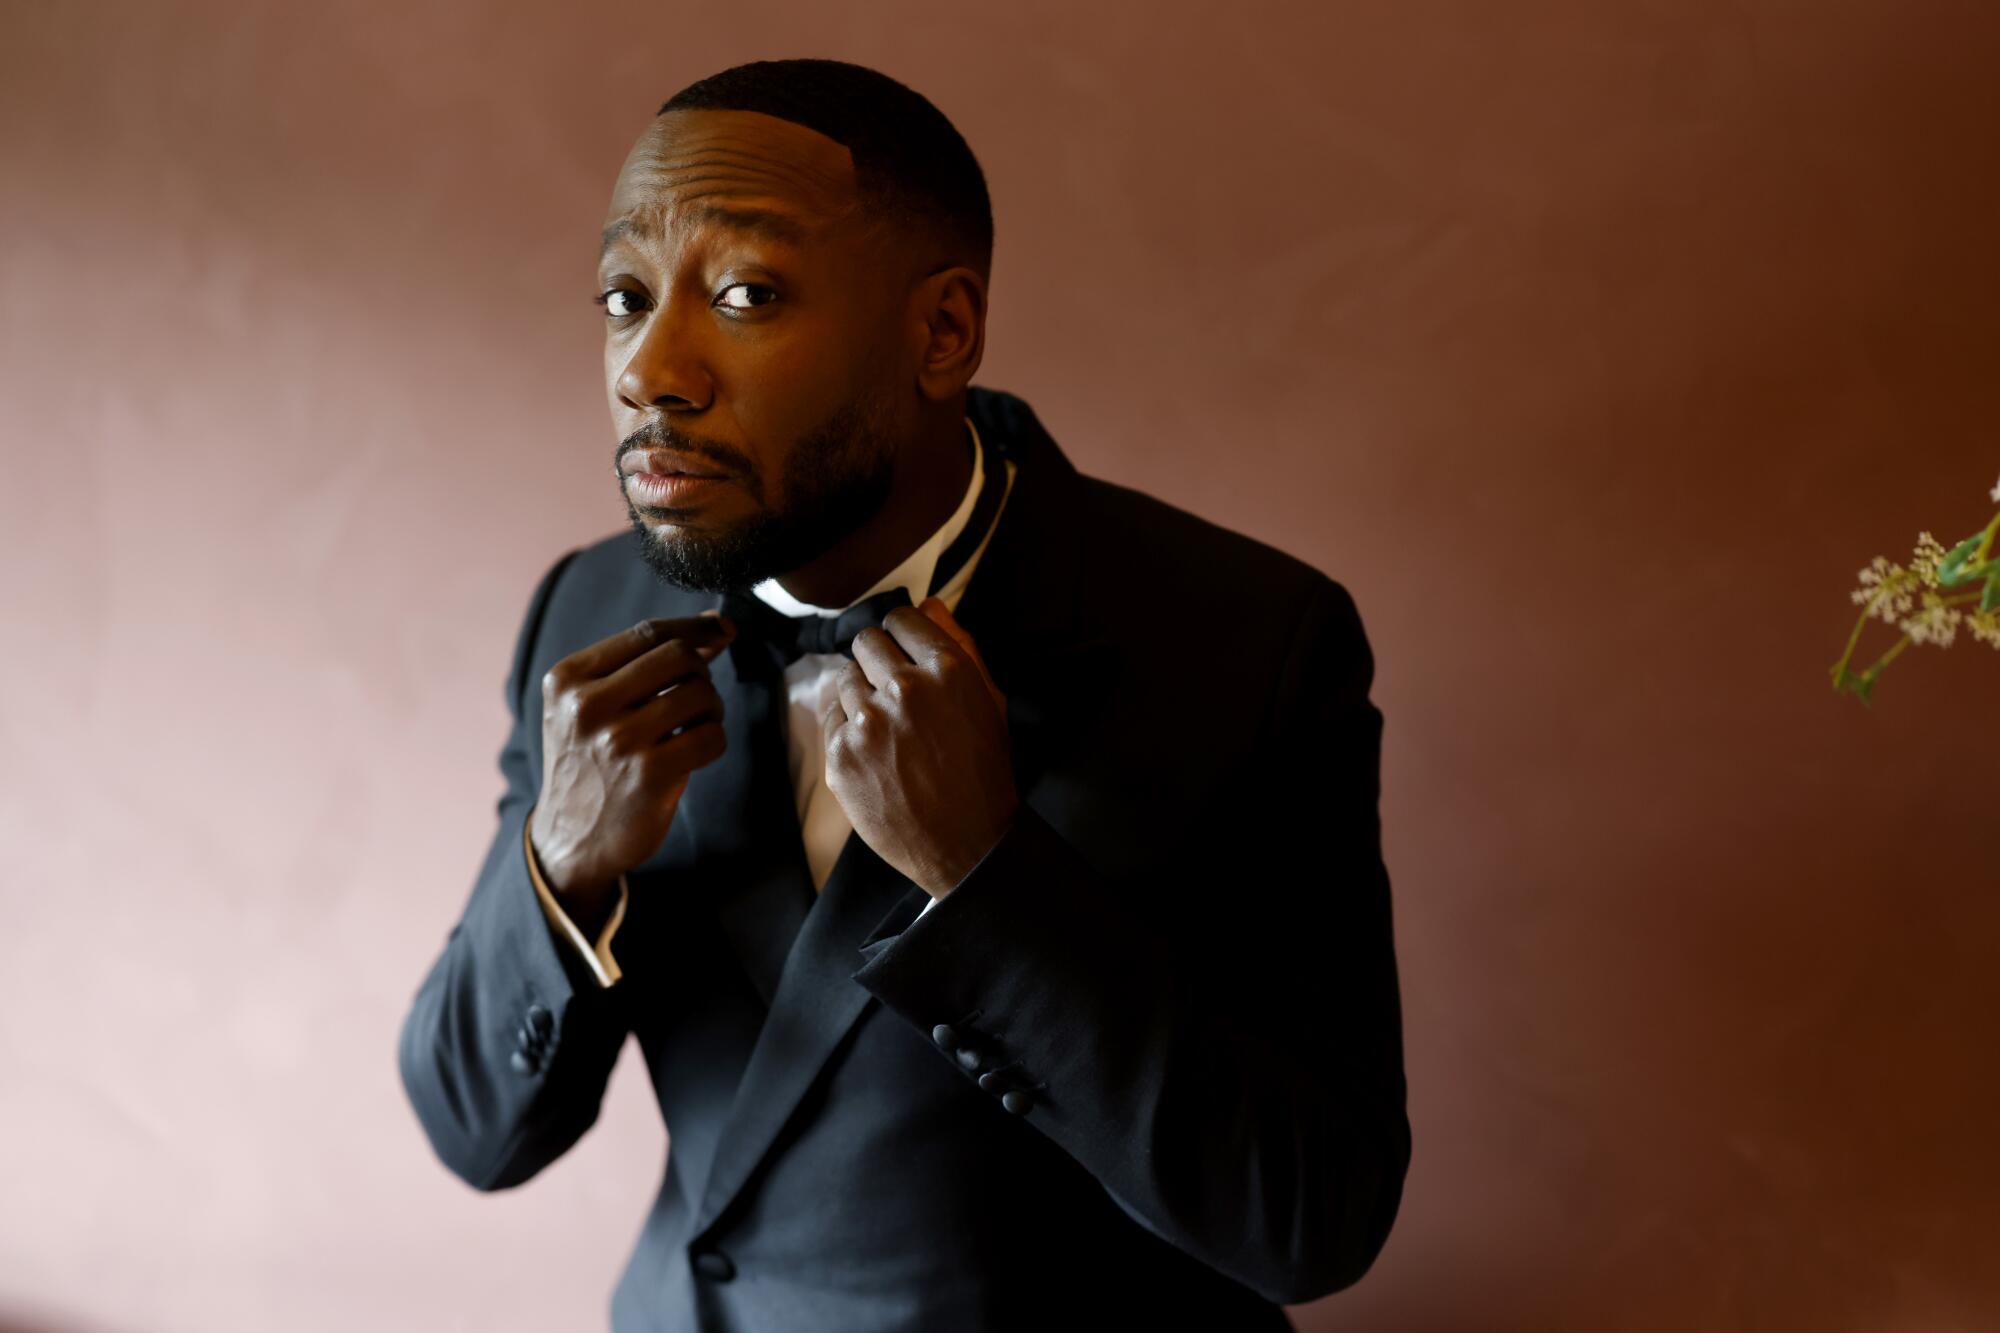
{"x":914,"y":573}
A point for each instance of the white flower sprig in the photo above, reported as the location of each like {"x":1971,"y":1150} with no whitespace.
{"x":1892,"y":593}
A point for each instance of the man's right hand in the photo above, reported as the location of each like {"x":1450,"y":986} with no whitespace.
{"x":625,"y":722}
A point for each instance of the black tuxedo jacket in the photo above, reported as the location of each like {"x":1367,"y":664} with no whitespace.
{"x":1142,"y":1066}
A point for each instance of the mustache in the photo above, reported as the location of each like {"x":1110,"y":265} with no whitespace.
{"x":659,"y":435}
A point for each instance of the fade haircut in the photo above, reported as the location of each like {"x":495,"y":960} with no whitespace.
{"x":911,"y":165}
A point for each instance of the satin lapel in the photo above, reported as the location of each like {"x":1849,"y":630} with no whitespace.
{"x":1028,"y":604}
{"x":817,"y":1004}
{"x":1022,"y":608}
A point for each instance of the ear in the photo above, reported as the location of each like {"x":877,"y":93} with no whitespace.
{"x":948,"y":325}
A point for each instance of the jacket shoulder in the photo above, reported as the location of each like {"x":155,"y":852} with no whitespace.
{"x":1157,"y":549}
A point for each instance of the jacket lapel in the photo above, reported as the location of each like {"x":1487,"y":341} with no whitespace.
{"x":815,"y":1006}
{"x":801,"y":949}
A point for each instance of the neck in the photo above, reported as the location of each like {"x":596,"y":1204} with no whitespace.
{"x":929,"y":481}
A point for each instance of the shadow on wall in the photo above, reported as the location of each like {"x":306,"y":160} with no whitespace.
{"x":17,"y":1321}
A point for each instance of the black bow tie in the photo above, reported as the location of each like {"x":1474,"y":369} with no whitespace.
{"x":792,"y":637}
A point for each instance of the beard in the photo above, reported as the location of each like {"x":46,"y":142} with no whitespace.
{"x":836,"y":477}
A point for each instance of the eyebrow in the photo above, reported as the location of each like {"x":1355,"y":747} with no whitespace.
{"x":763,"y":223}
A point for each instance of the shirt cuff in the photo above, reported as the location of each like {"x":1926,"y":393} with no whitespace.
{"x":596,"y":956}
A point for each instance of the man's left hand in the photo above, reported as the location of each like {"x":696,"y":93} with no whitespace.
{"x":916,"y":747}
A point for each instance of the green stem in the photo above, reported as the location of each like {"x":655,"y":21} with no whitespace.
{"x":1886,"y":658}
{"x":1889,"y":585}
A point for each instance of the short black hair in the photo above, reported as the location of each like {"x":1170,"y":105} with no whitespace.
{"x":911,"y":165}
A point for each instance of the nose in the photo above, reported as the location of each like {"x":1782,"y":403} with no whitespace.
{"x":664,"y":368}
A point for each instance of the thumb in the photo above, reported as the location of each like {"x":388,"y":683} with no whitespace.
{"x":934,"y":607}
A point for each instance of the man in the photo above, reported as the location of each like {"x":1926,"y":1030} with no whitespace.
{"x":994,"y":885}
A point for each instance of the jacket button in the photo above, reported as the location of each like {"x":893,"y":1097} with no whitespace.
{"x":541,"y":1021}
{"x":523,"y":1062}
{"x":714,"y":1264}
{"x":1017,"y":1101}
{"x":968,"y":1058}
{"x":945,"y":1035}
{"x":994,"y":1082}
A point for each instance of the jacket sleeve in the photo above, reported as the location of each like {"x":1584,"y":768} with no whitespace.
{"x":510,"y":1039}
{"x":1245,"y":1104}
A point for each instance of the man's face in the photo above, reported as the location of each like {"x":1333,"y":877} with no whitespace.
{"x":750,"y":331}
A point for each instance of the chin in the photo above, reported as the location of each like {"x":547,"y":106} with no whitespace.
{"x":693,"y":559}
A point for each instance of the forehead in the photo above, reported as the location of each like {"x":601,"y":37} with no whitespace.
{"x":691,"y":170}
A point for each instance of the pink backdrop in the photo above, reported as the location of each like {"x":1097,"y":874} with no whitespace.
{"x":1594,"y":347}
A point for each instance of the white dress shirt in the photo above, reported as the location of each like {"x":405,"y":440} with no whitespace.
{"x":810,"y":686}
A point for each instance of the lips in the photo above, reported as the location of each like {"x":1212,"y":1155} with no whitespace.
{"x":665,"y":490}
{"x":663,"y":464}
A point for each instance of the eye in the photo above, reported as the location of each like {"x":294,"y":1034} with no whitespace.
{"x":617,"y":302}
{"x":748,"y":287}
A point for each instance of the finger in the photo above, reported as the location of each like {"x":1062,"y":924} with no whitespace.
{"x":609,"y":654}
{"x":728,"y":627}
{"x":663,"y":667}
{"x":908,"y":637}
{"x":918,"y":632}
{"x":940,"y":614}
{"x":689,"y":703}
{"x":852,"y":689}
{"x":831,"y":718}
{"x":879,"y":653}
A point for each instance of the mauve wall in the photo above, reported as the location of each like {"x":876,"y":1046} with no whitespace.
{"x":1593,"y":346}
